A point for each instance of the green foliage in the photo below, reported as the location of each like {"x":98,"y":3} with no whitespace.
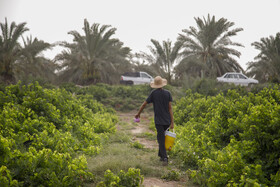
{"x":6,"y":178}
{"x":152,"y":125}
{"x":208,"y":49}
{"x":110,"y":179}
{"x":137,"y":145}
{"x":172,"y":175}
{"x":230,"y":139}
{"x":93,"y":56}
{"x":265,"y":66}
{"x":70,"y":87}
{"x":10,"y":49}
{"x":162,"y":57}
{"x":211,"y":87}
{"x":131,"y":178}
{"x":98,"y":92}
{"x":44,"y":134}
{"x":118,"y":97}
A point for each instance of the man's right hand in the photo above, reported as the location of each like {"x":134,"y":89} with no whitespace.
{"x":141,"y":109}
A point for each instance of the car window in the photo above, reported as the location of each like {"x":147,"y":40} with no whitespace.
{"x":227,"y":76}
{"x":132,"y":74}
{"x":242,"y":76}
{"x":230,"y":76}
{"x":144,"y":75}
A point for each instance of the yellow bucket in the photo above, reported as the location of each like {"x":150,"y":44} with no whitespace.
{"x":169,"y":139}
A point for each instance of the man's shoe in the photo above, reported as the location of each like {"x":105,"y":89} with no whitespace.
{"x":161,"y":159}
{"x":165,"y":162}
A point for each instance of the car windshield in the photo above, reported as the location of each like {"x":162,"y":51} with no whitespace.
{"x":145,"y":75}
{"x":235,"y":76}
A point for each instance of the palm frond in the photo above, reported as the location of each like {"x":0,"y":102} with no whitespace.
{"x":211,"y":43}
{"x":93,"y":54}
{"x":267,"y":62}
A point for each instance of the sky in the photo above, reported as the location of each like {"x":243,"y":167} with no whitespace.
{"x":139,"y":21}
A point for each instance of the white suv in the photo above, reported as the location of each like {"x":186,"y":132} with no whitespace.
{"x":237,"y":79}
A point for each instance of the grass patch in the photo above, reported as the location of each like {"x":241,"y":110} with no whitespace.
{"x":122,"y":156}
{"x":152,"y":125}
{"x":147,"y":135}
{"x":119,"y":137}
{"x":124,"y":124}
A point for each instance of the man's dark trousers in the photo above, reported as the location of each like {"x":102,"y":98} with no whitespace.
{"x":161,"y":140}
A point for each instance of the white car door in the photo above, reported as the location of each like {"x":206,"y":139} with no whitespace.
{"x":137,"y":78}
{"x":230,"y":78}
{"x":243,"y":80}
{"x":236,"y":79}
{"x":145,"y":78}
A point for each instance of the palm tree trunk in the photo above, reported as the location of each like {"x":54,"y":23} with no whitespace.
{"x":202,"y":74}
{"x":169,"y":77}
{"x":169,"y":73}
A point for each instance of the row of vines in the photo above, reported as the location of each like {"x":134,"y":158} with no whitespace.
{"x":120,"y":97}
{"x":230,"y":139}
{"x":45,"y":135}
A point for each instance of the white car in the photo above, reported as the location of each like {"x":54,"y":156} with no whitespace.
{"x":134,"y":78}
{"x":237,"y":79}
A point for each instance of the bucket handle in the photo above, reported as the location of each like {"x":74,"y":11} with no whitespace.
{"x":172,"y":129}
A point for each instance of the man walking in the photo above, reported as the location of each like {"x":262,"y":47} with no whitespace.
{"x":163,"y":115}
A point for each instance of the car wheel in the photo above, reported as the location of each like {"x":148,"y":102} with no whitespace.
{"x":129,"y":82}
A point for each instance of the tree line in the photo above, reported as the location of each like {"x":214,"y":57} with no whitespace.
{"x":95,"y":55}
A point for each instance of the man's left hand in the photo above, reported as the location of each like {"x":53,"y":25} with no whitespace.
{"x":172,"y":126}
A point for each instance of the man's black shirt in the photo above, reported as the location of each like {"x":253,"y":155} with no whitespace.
{"x":160,"y":99}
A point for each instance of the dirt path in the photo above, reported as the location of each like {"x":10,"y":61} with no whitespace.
{"x":138,"y":129}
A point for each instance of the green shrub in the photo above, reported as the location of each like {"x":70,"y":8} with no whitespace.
{"x":210,"y":87}
{"x":90,"y":102}
{"x":120,"y":97}
{"x":230,"y":139}
{"x":98,"y":92}
{"x":70,"y":87}
{"x":131,"y":178}
{"x":6,"y":178}
{"x":137,"y":145}
{"x":172,"y":175}
{"x":44,"y":134}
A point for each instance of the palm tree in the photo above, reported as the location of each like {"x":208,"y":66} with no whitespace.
{"x":163,"y":56}
{"x":266,"y":66}
{"x":10,"y":49}
{"x":189,"y":67}
{"x":31,"y":63}
{"x":209,"y":45}
{"x":140,"y":64}
{"x":92,"y":57}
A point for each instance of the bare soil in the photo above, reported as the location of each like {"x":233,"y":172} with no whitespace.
{"x":140,"y":128}
{"x":155,"y":182}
